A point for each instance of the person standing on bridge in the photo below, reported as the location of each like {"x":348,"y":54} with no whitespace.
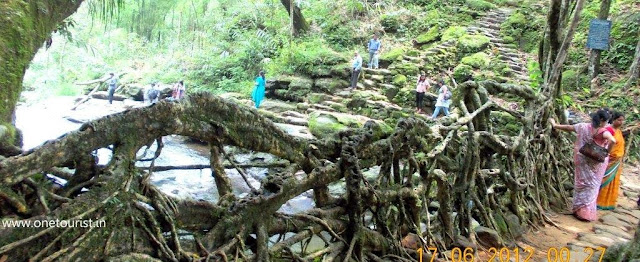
{"x":374,"y":47}
{"x":258,"y":91}
{"x":608,"y":195}
{"x":443,"y":101}
{"x":588,"y":172}
{"x":112,"y":82}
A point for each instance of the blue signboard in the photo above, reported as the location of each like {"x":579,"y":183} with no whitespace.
{"x":599,"y":34}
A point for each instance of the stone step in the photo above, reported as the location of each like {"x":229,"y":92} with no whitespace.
{"x":377,"y":78}
{"x":369,"y":83}
{"x":380,"y":71}
{"x":412,"y":59}
{"x":323,"y":107}
{"x":293,"y":114}
{"x":496,"y":40}
{"x":488,"y":25}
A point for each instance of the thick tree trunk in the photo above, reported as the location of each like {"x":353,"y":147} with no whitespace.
{"x":26,"y":24}
{"x":634,"y":70}
{"x":300,"y":25}
{"x":594,"y":57}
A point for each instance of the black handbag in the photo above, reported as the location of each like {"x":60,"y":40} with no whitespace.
{"x":594,"y":151}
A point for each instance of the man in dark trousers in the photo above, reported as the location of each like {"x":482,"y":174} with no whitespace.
{"x":112,"y":82}
{"x":356,"y":66}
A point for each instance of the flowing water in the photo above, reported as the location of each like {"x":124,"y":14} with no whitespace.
{"x":52,"y":118}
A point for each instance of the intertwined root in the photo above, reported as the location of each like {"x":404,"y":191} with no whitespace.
{"x":434,"y":180}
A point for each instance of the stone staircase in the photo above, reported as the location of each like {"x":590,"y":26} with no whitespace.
{"x":377,"y":98}
{"x":507,"y":53}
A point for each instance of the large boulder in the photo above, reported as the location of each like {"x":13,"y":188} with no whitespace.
{"x":296,"y":90}
{"x":399,"y":80}
{"x":405,"y":68}
{"x":453,"y":33}
{"x":135,"y":91}
{"x":393,"y":55}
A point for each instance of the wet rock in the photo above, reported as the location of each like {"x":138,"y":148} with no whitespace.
{"x":488,"y":237}
{"x":464,"y":243}
{"x":513,"y":222}
{"x":411,"y":241}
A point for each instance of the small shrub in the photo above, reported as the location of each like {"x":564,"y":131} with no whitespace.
{"x":390,"y":22}
{"x":462,"y":73}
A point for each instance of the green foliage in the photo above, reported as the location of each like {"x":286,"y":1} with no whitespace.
{"x":480,"y":5}
{"x":523,"y":28}
{"x":390,"y":22}
{"x":304,"y":57}
{"x":624,"y":38}
{"x":535,"y":74}
{"x":477,"y":60}
{"x":462,"y":72}
{"x":454,"y":32}
{"x":473,"y":43}
{"x":399,"y":80}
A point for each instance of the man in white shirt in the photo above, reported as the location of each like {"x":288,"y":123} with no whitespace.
{"x":356,"y":66}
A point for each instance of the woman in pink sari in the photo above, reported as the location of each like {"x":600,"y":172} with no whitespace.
{"x":588,"y":172}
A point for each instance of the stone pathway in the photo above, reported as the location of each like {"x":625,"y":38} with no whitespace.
{"x":581,"y":238}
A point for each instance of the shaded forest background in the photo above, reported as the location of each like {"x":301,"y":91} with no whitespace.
{"x":220,"y":46}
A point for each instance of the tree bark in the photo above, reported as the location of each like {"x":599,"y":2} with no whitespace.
{"x":594,"y":57}
{"x":300,"y":25}
{"x":26,"y":24}
{"x":634,"y":70}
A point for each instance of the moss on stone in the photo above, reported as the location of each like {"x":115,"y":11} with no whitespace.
{"x":430,"y":36}
{"x":480,"y":5}
{"x":405,"y":68}
{"x":453,"y":33}
{"x":399,"y":80}
{"x":477,"y":60}
{"x":393,"y":54}
{"x":473,"y":43}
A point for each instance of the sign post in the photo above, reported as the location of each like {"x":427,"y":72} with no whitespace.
{"x":599,"y":31}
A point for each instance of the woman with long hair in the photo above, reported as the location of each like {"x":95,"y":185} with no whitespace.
{"x":421,"y":88}
{"x":588,"y":172}
{"x":258,"y":91}
{"x":608,"y":196}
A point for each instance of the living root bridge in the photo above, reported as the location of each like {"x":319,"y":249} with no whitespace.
{"x":435,"y":180}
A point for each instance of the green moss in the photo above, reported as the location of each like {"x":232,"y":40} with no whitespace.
{"x":390,"y":22}
{"x":324,"y":125}
{"x":413,"y":52}
{"x":473,"y":43}
{"x":405,"y":68}
{"x":462,"y":72}
{"x":453,"y":33}
{"x":393,"y":54}
{"x":477,"y":60}
{"x":480,"y":5}
{"x":432,"y":35}
{"x":399,"y":80}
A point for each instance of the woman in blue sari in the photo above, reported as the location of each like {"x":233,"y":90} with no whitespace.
{"x":258,"y":90}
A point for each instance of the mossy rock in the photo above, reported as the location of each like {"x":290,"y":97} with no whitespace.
{"x":453,"y":33}
{"x":405,"y":96}
{"x":462,"y":73}
{"x":369,"y":95}
{"x":341,"y":70}
{"x":9,"y":135}
{"x":315,"y":98}
{"x":324,"y":125}
{"x":329,"y":85}
{"x":393,"y":55}
{"x":473,"y":43}
{"x":406,"y":68}
{"x":321,"y":71}
{"x":480,"y":5}
{"x":430,"y":36}
{"x":298,"y":88}
{"x":477,"y":60}
{"x":413,"y":53}
{"x":390,"y":91}
{"x":399,"y":80}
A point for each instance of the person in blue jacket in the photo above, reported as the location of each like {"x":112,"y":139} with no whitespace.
{"x":258,"y":90}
